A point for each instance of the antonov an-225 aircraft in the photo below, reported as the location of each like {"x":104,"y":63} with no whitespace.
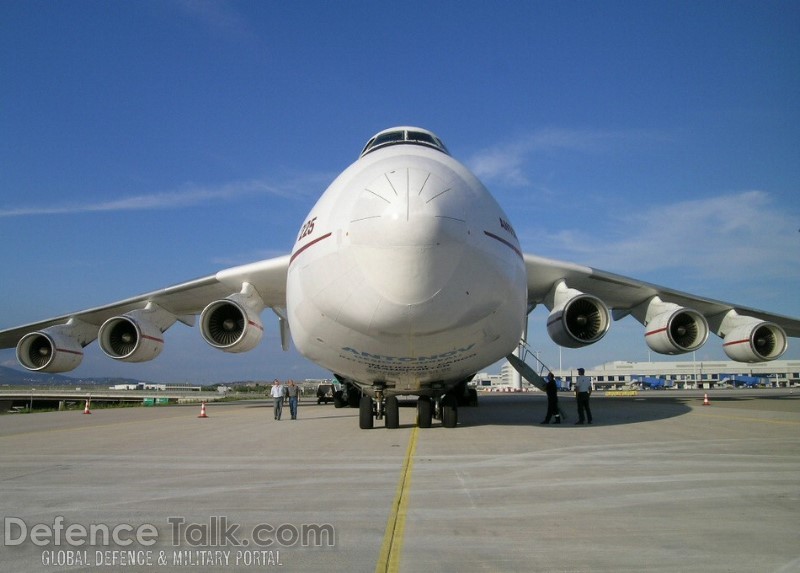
{"x":406,"y":279}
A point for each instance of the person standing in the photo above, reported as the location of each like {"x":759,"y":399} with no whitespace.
{"x":277,"y":394}
{"x":552,"y":400}
{"x":583,"y":389}
{"x":293,"y":392}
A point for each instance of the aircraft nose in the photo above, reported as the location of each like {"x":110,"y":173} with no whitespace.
{"x":403,"y":232}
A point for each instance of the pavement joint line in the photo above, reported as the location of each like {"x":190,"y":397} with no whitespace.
{"x":389,"y":559}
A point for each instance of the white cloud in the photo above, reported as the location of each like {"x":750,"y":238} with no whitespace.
{"x":185,"y":197}
{"x":506,"y":162}
{"x":722,"y":237}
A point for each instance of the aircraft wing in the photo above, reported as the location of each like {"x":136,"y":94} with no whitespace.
{"x":267,"y":277}
{"x":625,"y":296}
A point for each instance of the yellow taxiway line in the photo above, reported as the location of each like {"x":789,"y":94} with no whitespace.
{"x":392,"y":547}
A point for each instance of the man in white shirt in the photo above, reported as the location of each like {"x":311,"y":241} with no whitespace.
{"x":583,"y":389}
{"x":277,"y":394}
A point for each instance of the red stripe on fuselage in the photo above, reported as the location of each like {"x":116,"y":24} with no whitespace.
{"x":506,"y":243}
{"x":306,"y":246}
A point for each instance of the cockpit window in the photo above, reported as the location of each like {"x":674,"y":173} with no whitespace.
{"x":395,"y":136}
{"x":423,"y":137}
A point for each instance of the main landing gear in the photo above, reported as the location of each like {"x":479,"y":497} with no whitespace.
{"x":370,"y":409}
{"x":388,"y":408}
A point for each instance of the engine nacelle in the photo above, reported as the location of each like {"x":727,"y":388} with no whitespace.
{"x":755,"y":341}
{"x":136,"y":336}
{"x":578,"y":321}
{"x":231,"y":325}
{"x":130,"y":340}
{"x":49,"y":350}
{"x":677,"y":331}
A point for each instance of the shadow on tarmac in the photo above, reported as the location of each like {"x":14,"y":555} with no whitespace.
{"x":522,"y":410}
{"x":530,"y":409}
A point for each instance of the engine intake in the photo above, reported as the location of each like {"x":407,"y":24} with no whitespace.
{"x":755,"y":341}
{"x":137,"y":335}
{"x":49,"y":351}
{"x":677,"y":331}
{"x":578,"y":321}
{"x":124,"y":338}
{"x":231,"y":326}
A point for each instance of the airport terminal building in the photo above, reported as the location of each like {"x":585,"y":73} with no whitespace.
{"x":688,"y":375}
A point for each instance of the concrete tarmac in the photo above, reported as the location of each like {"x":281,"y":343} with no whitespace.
{"x":658,"y":483}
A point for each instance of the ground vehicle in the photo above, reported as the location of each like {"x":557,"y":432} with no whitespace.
{"x":324,"y":393}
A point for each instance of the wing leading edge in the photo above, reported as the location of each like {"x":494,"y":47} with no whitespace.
{"x":247,"y":289}
{"x":676,"y":322}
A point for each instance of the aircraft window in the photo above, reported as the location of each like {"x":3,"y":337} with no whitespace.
{"x":403,"y":136}
{"x":390,"y":137}
{"x":419,"y":136}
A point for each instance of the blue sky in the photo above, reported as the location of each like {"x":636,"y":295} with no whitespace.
{"x":146,"y":143}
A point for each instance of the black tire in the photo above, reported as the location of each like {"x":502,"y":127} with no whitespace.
{"x":473,"y":398}
{"x":353,"y":397}
{"x":424,"y":412}
{"x":449,"y":412}
{"x":338,"y":401}
{"x":392,"y":412}
{"x":366,"y":420}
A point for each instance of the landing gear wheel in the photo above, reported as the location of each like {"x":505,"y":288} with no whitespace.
{"x":353,"y":396}
{"x":424,"y":412}
{"x":365,"y":418}
{"x":392,"y":412}
{"x":338,"y":400}
{"x":449,"y":412}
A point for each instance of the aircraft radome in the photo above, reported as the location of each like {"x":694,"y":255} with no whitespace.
{"x":406,"y":279}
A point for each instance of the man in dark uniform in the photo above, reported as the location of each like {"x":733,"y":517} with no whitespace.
{"x":552,"y":400}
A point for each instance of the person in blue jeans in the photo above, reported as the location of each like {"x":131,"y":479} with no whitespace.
{"x":293,"y":392}
{"x":277,"y":393}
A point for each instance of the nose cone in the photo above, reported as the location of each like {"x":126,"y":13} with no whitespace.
{"x":404,"y":232}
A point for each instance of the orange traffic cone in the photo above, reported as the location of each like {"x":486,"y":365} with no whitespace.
{"x":705,"y":400}
{"x":86,"y":408}
{"x":203,"y":411}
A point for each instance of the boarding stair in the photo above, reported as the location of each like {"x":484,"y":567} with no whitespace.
{"x":533,"y":374}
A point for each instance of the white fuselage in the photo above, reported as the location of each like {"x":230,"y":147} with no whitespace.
{"x":406,"y":274}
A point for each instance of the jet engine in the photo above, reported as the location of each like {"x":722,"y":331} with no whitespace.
{"x":576,"y":319}
{"x":49,"y":352}
{"x":676,"y":331}
{"x":233,"y":324}
{"x":136,"y":336}
{"x":57,"y":348}
{"x":755,"y":341}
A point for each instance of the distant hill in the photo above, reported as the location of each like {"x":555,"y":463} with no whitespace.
{"x":13,"y":377}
